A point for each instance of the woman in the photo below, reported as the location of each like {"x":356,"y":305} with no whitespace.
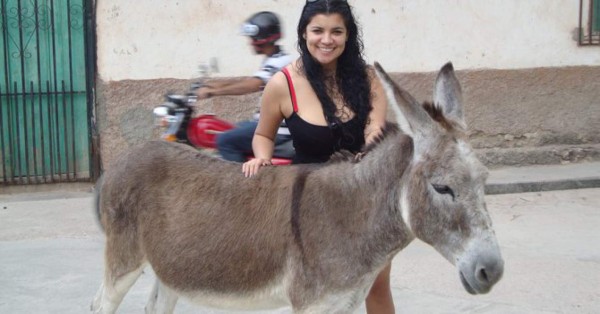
{"x":330,"y":99}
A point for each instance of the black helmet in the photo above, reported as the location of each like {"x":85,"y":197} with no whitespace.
{"x":263,"y":27}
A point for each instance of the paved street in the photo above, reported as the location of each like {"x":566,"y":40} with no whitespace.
{"x":51,"y":259}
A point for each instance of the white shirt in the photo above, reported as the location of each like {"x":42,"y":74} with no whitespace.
{"x":272,"y":65}
{"x":268,"y":68}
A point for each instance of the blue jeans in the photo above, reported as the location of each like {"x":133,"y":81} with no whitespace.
{"x":236,"y":144}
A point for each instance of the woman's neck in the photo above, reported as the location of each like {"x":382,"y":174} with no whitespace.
{"x":329,"y":70}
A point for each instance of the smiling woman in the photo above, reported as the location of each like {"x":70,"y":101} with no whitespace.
{"x":319,"y":95}
{"x":330,"y":100}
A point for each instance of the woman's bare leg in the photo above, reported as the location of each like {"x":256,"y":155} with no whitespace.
{"x":379,"y":300}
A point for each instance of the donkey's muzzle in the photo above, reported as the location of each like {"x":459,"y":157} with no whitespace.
{"x":482,"y":274}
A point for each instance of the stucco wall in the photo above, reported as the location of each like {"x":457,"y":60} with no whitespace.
{"x":168,"y":39}
{"x":532,"y":95}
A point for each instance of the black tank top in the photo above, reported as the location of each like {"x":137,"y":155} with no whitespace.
{"x":316,"y":143}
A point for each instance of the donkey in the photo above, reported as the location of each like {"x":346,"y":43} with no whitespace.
{"x":313,"y":237}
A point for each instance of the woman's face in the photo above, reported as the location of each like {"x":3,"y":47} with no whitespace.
{"x":326,"y":37}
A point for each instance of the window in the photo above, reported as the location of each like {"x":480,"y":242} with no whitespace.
{"x":589,"y":23}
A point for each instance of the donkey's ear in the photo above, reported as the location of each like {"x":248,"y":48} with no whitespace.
{"x":410,"y":115}
{"x":447,"y":95}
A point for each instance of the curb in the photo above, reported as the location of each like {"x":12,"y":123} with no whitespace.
{"x":542,"y":186}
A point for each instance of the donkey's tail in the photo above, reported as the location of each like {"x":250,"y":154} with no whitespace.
{"x":97,"y":191}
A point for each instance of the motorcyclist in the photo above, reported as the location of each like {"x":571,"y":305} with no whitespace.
{"x":264,"y":29}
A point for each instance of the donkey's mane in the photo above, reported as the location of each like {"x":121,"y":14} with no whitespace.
{"x":388,"y":129}
{"x":347,"y":156}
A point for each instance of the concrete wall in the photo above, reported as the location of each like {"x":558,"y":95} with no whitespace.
{"x":532,"y":94}
{"x":168,"y":39}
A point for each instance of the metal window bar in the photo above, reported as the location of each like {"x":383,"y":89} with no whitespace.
{"x":2,"y":145}
{"x":4,"y":118}
{"x":55,"y":81}
{"x":71,"y":87}
{"x":589,"y":23}
{"x":17,"y":161}
{"x":94,"y":163}
{"x":21,"y":44}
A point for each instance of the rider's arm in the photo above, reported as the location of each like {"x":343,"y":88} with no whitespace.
{"x":379,"y":103}
{"x":270,"y":118}
{"x":242,"y":86}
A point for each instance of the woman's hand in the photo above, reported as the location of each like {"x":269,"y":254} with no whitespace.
{"x":251,"y":167}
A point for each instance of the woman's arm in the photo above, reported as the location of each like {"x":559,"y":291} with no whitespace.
{"x":376,"y":120}
{"x":268,"y":123}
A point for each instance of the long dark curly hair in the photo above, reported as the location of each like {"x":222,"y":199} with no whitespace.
{"x":351,"y":74}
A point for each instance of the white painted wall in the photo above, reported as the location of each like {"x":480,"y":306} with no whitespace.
{"x":169,"y":38}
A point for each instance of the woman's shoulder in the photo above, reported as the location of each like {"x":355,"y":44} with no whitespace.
{"x":371,"y":73}
{"x":279,"y":81}
{"x":373,"y":77}
{"x":277,"y":87}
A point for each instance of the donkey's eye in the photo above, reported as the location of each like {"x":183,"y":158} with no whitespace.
{"x":443,"y":189}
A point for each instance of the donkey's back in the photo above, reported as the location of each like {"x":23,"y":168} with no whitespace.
{"x":185,"y":214}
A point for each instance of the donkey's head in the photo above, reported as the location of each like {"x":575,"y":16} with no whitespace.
{"x":442,"y":197}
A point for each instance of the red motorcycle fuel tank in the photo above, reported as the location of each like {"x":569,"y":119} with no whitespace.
{"x":202,"y":130}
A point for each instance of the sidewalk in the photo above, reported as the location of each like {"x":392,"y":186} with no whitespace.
{"x":501,"y":181}
{"x":543,"y":178}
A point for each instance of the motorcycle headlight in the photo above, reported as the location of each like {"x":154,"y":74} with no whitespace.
{"x":161,"y":116}
{"x":161,"y":111}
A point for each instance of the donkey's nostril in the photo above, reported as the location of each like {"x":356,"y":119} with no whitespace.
{"x":490,"y":272}
{"x":482,"y":275}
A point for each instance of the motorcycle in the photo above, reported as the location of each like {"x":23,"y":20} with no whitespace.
{"x":176,"y":115}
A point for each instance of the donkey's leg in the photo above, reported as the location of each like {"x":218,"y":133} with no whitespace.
{"x":124,"y":263}
{"x":97,"y":299}
{"x":112,"y":290}
{"x":162,"y":299}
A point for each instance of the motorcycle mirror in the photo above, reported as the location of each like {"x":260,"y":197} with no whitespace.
{"x":177,"y":99}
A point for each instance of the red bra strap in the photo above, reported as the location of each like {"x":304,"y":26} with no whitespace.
{"x":288,"y":77}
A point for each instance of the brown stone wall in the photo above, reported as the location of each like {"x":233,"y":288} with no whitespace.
{"x":515,"y":117}
{"x":124,"y":111}
{"x":507,"y":108}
